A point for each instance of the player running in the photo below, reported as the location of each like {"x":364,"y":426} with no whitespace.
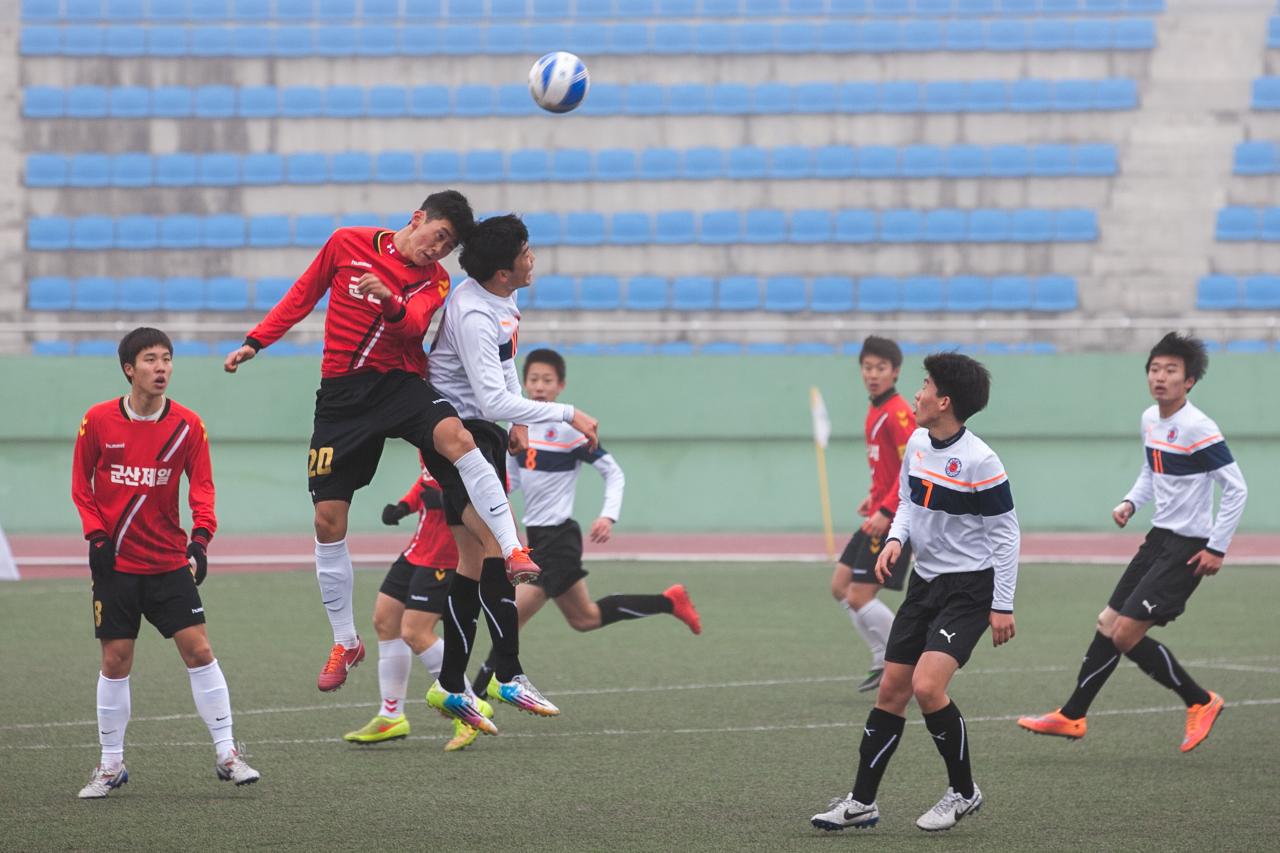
{"x":384,"y":287}
{"x":1185,"y":454}
{"x":889,"y":424}
{"x":956,"y":507}
{"x":406,"y":611}
{"x":130,"y":455}
{"x":547,"y":472}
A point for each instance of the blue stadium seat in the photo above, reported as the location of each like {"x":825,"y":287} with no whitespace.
{"x":388,"y":101}
{"x":1256,"y":158}
{"x":49,"y":293}
{"x":338,"y":10}
{"x":429,"y":101}
{"x":268,"y":291}
{"x":180,"y":231}
{"x":363,"y":219}
{"x":1261,"y":293}
{"x":132,"y":170}
{"x":1030,"y":96}
{"x":223,"y":231}
{"x":876,"y":161}
{"x":1010,"y":293}
{"x":921,"y":161}
{"x":811,"y":226}
{"x":689,"y":99}
{"x":1031,"y":225}
{"x":168,"y":41}
{"x":211,"y":41}
{"x":693,"y":293}
{"x":41,"y":10}
{"x":571,"y":164}
{"x":1270,"y":231}
{"x":729,"y":99}
{"x":834,"y":161}
{"x":441,"y":165}
{"x":671,"y":37}
{"x":765,"y":227}
{"x":95,"y":294}
{"x":258,"y":102}
{"x":606,"y":100}
{"x":922,"y":293}
{"x":989,"y":226}
{"x":859,"y":97}
{"x":1074,"y":95}
{"x":1218,"y":293}
{"x":748,"y":162}
{"x":1007,"y":36}
{"x":720,"y":348}
{"x":1133,"y":34}
{"x":210,"y":10}
{"x":879,"y":37}
{"x":193,"y":349}
{"x":767,"y":348}
{"x":989,"y":96}
{"x":253,"y":42}
{"x":855,"y":226}
{"x":262,"y":169}
{"x":631,"y":228}
{"x":772,"y":99}
{"x":754,"y":38}
{"x":673,"y":348}
{"x":1119,"y":94}
{"x":97,"y":348}
{"x":877,"y":294}
{"x":815,"y":98}
{"x":139,"y":293}
{"x":921,"y":36}
{"x":46,"y":170}
{"x":646,"y":293}
{"x":901,"y":226}
{"x":1266,"y":93}
{"x":82,"y":41}
{"x":175,"y":170}
{"x":965,"y":35}
{"x":832,"y":294}
{"x":351,"y":167}
{"x":544,"y":229}
{"x":628,"y":39}
{"x":785,"y":294}
{"x":703,"y":163}
{"x":529,"y":164}
{"x":1238,"y":223}
{"x":45,"y":233}
{"x":559,"y":9}
{"x":124,"y":40}
{"x":946,"y":96}
{"x":86,"y":102}
{"x":967,"y":293}
{"x":226,"y":293}
{"x":1252,"y":345}
{"x":739,"y":293}
{"x":215,"y":102}
{"x":1050,"y":34}
{"x":218,"y":170}
{"x":599,"y":293}
{"x":42,"y":102}
{"x":1009,"y":161}
{"x":1075,"y":225}
{"x":313,"y":229}
{"x":92,"y":232}
{"x":137,"y":232}
{"x":591,"y":8}
{"x":395,"y":167}
{"x":791,"y":161}
{"x":675,"y":227}
{"x":1091,"y":34}
{"x":183,"y":294}
{"x":270,"y":231}
{"x":965,"y":161}
{"x":307,"y":168}
{"x":301,"y":101}
{"x":1052,"y":161}
{"x":645,"y":99}
{"x":615,"y":164}
{"x":344,"y":102}
{"x":583,"y":228}
{"x":945,"y":226}
{"x":714,"y":39}
{"x":513,"y":100}
{"x":901,"y":96}
{"x":171,"y":102}
{"x":1055,"y":293}
{"x":1095,"y":160}
{"x":555,"y":293}
{"x":484,"y":165}
{"x":720,"y":227}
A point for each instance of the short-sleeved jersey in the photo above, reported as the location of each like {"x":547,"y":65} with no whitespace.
{"x":358,"y":333}
{"x":547,"y":474}
{"x":124,"y":481}
{"x":432,"y":544}
{"x":1185,"y":454}
{"x":890,"y":422}
{"x":956,"y":508}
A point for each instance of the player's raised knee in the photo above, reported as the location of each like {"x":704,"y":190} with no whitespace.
{"x":452,"y":440}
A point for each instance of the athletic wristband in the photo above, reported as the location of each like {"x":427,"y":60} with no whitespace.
{"x":1215,"y":552}
{"x":201,"y":535}
{"x":253,"y":342}
{"x":393,"y":308}
{"x":1001,"y":610}
{"x":96,"y":535}
{"x":886,"y":513}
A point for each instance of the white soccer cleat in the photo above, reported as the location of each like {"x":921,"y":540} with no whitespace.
{"x":103,"y":782}
{"x":520,"y":693}
{"x":236,"y":769}
{"x":845,"y":812}
{"x":949,"y":810}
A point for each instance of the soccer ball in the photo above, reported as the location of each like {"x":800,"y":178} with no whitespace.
{"x":559,"y":82}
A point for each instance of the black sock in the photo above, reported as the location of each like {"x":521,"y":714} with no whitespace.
{"x":952,"y":740}
{"x":498,"y":601}
{"x":614,"y":608}
{"x":1159,"y":663}
{"x":461,"y":609}
{"x":880,"y":737}
{"x":1099,"y":662}
{"x":483,"y":676}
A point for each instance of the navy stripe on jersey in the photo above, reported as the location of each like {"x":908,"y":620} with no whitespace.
{"x":994,"y":501}
{"x":549,"y":460}
{"x":506,"y":351}
{"x":586,"y":454}
{"x":1206,"y":459}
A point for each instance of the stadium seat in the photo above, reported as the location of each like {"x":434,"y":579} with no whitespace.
{"x":967,"y":293}
{"x":429,"y":101}
{"x":1031,"y":225}
{"x":714,"y":39}
{"x":720,"y":348}
{"x":137,"y":232}
{"x":946,"y":96}
{"x":921,"y":161}
{"x":1249,"y":345}
{"x":1266,"y":93}
{"x":815,"y":98}
{"x":646,"y":293}
{"x":1010,"y":293}
{"x":772,"y":99}
{"x":748,"y":162}
{"x":86,"y":102}
{"x":692,"y":293}
{"x":1030,"y":96}
{"x":674,"y":227}
{"x":878,"y":294}
{"x":47,"y":233}
{"x":301,"y":101}
{"x":1075,"y":225}
{"x":729,"y":99}
{"x":630,"y":228}
{"x":181,"y":231}
{"x":599,"y":293}
{"x":659,"y":164}
{"x":965,"y":161}
{"x":175,"y":170}
{"x":571,"y":164}
{"x":441,"y":165}
{"x":765,"y":227}
{"x":193,"y":349}
{"x":785,"y":294}
{"x":183,"y":294}
{"x":855,"y":226}
{"x":902,"y":96}
{"x":945,"y":226}
{"x":811,"y":226}
{"x":645,"y":99}
{"x":1055,"y":293}
{"x":739,"y":293}
{"x":1095,"y":160}
{"x":1133,"y":34}
{"x":1119,"y":94}
{"x":95,"y":294}
{"x":46,"y":170}
{"x":49,"y":293}
{"x":395,"y":167}
{"x":514,"y":100}
{"x":583,"y":228}
{"x":262,"y":169}
{"x":832,"y":294}
{"x":544,"y":229}
{"x":92,"y":232}
{"x":139,"y":293}
{"x":41,"y":10}
{"x":859,"y":97}
{"x":834,"y":161}
{"x":312,"y":229}
{"x":223,"y":231}
{"x":1218,"y":293}
{"x":901,"y":226}
{"x":1051,"y":34}
{"x":922,"y":293}
{"x":307,"y":168}
{"x":1261,"y":293}
{"x":1270,"y":230}
{"x":388,"y":101}
{"x":364,"y":219}
{"x":225,"y":293}
{"x":351,"y":167}
{"x":215,"y":102}
{"x":791,"y":162}
{"x":1237,"y":223}
{"x":218,"y":170}
{"x":876,"y":161}
{"x":688,"y":99}
{"x":1256,"y":158}
{"x":674,"y":348}
{"x":82,"y":41}
{"x":1009,"y":161}
{"x":989,"y":226}
{"x":268,"y":291}
{"x":702,"y":164}
{"x":720,"y":227}
{"x":1052,"y":161}
{"x":555,"y":293}
{"x":129,"y":102}
{"x":670,"y":37}
{"x":42,"y":102}
{"x":344,"y":102}
{"x":484,"y":165}
{"x":97,"y":348}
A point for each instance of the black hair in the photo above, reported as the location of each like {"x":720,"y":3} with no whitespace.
{"x":961,"y":378}
{"x":1195,"y":360}
{"x":494,"y":245}
{"x":549,"y":357}
{"x":881,"y":348}
{"x":141,"y":338}
{"x":453,"y":206}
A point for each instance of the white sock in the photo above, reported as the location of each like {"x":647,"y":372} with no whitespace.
{"x":213,"y":704}
{"x":874,"y":621}
{"x":337,"y":580}
{"x":433,"y":657}
{"x":114,"y":708}
{"x":394,"y":661}
{"x":488,"y":497}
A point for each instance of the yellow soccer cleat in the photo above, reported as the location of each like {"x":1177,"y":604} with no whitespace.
{"x":464,"y":735}
{"x":380,"y":729}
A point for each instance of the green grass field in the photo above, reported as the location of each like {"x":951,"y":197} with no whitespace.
{"x":728,"y":741}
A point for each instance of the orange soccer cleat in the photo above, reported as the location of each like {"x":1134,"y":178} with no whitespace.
{"x":682,"y":607}
{"x":341,"y":660}
{"x":521,"y":568}
{"x":1200,"y":720}
{"x":1054,"y":723}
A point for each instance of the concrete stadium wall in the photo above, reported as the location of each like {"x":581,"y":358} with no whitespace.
{"x":708,"y":444}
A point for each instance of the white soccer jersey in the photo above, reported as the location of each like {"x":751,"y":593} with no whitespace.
{"x":1185,"y":455}
{"x":956,"y":508}
{"x":472,"y":360}
{"x":548,"y":474}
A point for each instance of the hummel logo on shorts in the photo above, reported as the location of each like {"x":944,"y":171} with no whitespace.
{"x":197,"y":610}
{"x":943,"y":632}
{"x":420,"y":597}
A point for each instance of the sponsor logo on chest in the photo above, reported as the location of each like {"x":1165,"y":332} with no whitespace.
{"x":133,"y":475}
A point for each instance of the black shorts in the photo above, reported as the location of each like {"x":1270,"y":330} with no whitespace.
{"x":355,"y":415}
{"x":170,"y":601}
{"x":558,"y":552}
{"x":417,"y":587}
{"x":491,"y":439}
{"x":860,"y":556}
{"x":947,"y":614}
{"x":1157,"y":582}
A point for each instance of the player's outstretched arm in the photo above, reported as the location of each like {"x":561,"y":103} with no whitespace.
{"x":237,"y":357}
{"x":588,"y":426}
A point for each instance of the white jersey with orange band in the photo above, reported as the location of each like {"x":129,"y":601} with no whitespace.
{"x":547,"y":473}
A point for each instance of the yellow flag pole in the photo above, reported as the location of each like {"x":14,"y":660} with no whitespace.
{"x":824,"y":491}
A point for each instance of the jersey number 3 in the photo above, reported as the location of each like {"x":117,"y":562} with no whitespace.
{"x":319,"y":462}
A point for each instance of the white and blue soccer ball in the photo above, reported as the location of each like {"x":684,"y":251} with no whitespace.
{"x":559,"y":82}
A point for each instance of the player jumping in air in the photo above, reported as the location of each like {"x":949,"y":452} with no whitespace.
{"x":547,"y":472}
{"x":956,"y":508}
{"x":1185,"y":454}
{"x":889,"y":424}
{"x":129,"y":458}
{"x":384,"y":287}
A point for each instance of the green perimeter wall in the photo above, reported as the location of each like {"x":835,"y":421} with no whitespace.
{"x":708,"y":444}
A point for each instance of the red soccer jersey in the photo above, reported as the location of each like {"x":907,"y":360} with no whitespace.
{"x":360,"y":333}
{"x":889,"y":425}
{"x":432,"y":544}
{"x":124,"y":481}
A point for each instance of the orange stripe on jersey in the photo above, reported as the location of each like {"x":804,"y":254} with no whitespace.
{"x":543,"y":443}
{"x":1188,"y":448}
{"x":962,"y":482}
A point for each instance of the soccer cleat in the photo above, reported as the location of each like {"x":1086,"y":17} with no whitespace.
{"x":520,"y":693}
{"x":950,"y":810}
{"x":341,"y":661}
{"x":464,"y":735}
{"x":1200,"y":720}
{"x":682,"y":607}
{"x":235,"y":769}
{"x":872,"y":681}
{"x":521,"y":568}
{"x":1054,"y":723}
{"x":845,"y":812}
{"x":103,"y":782}
{"x":380,"y":729}
{"x":460,"y":706}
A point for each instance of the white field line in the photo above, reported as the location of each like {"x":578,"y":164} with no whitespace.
{"x":764,"y":729}
{"x":663,"y":688}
